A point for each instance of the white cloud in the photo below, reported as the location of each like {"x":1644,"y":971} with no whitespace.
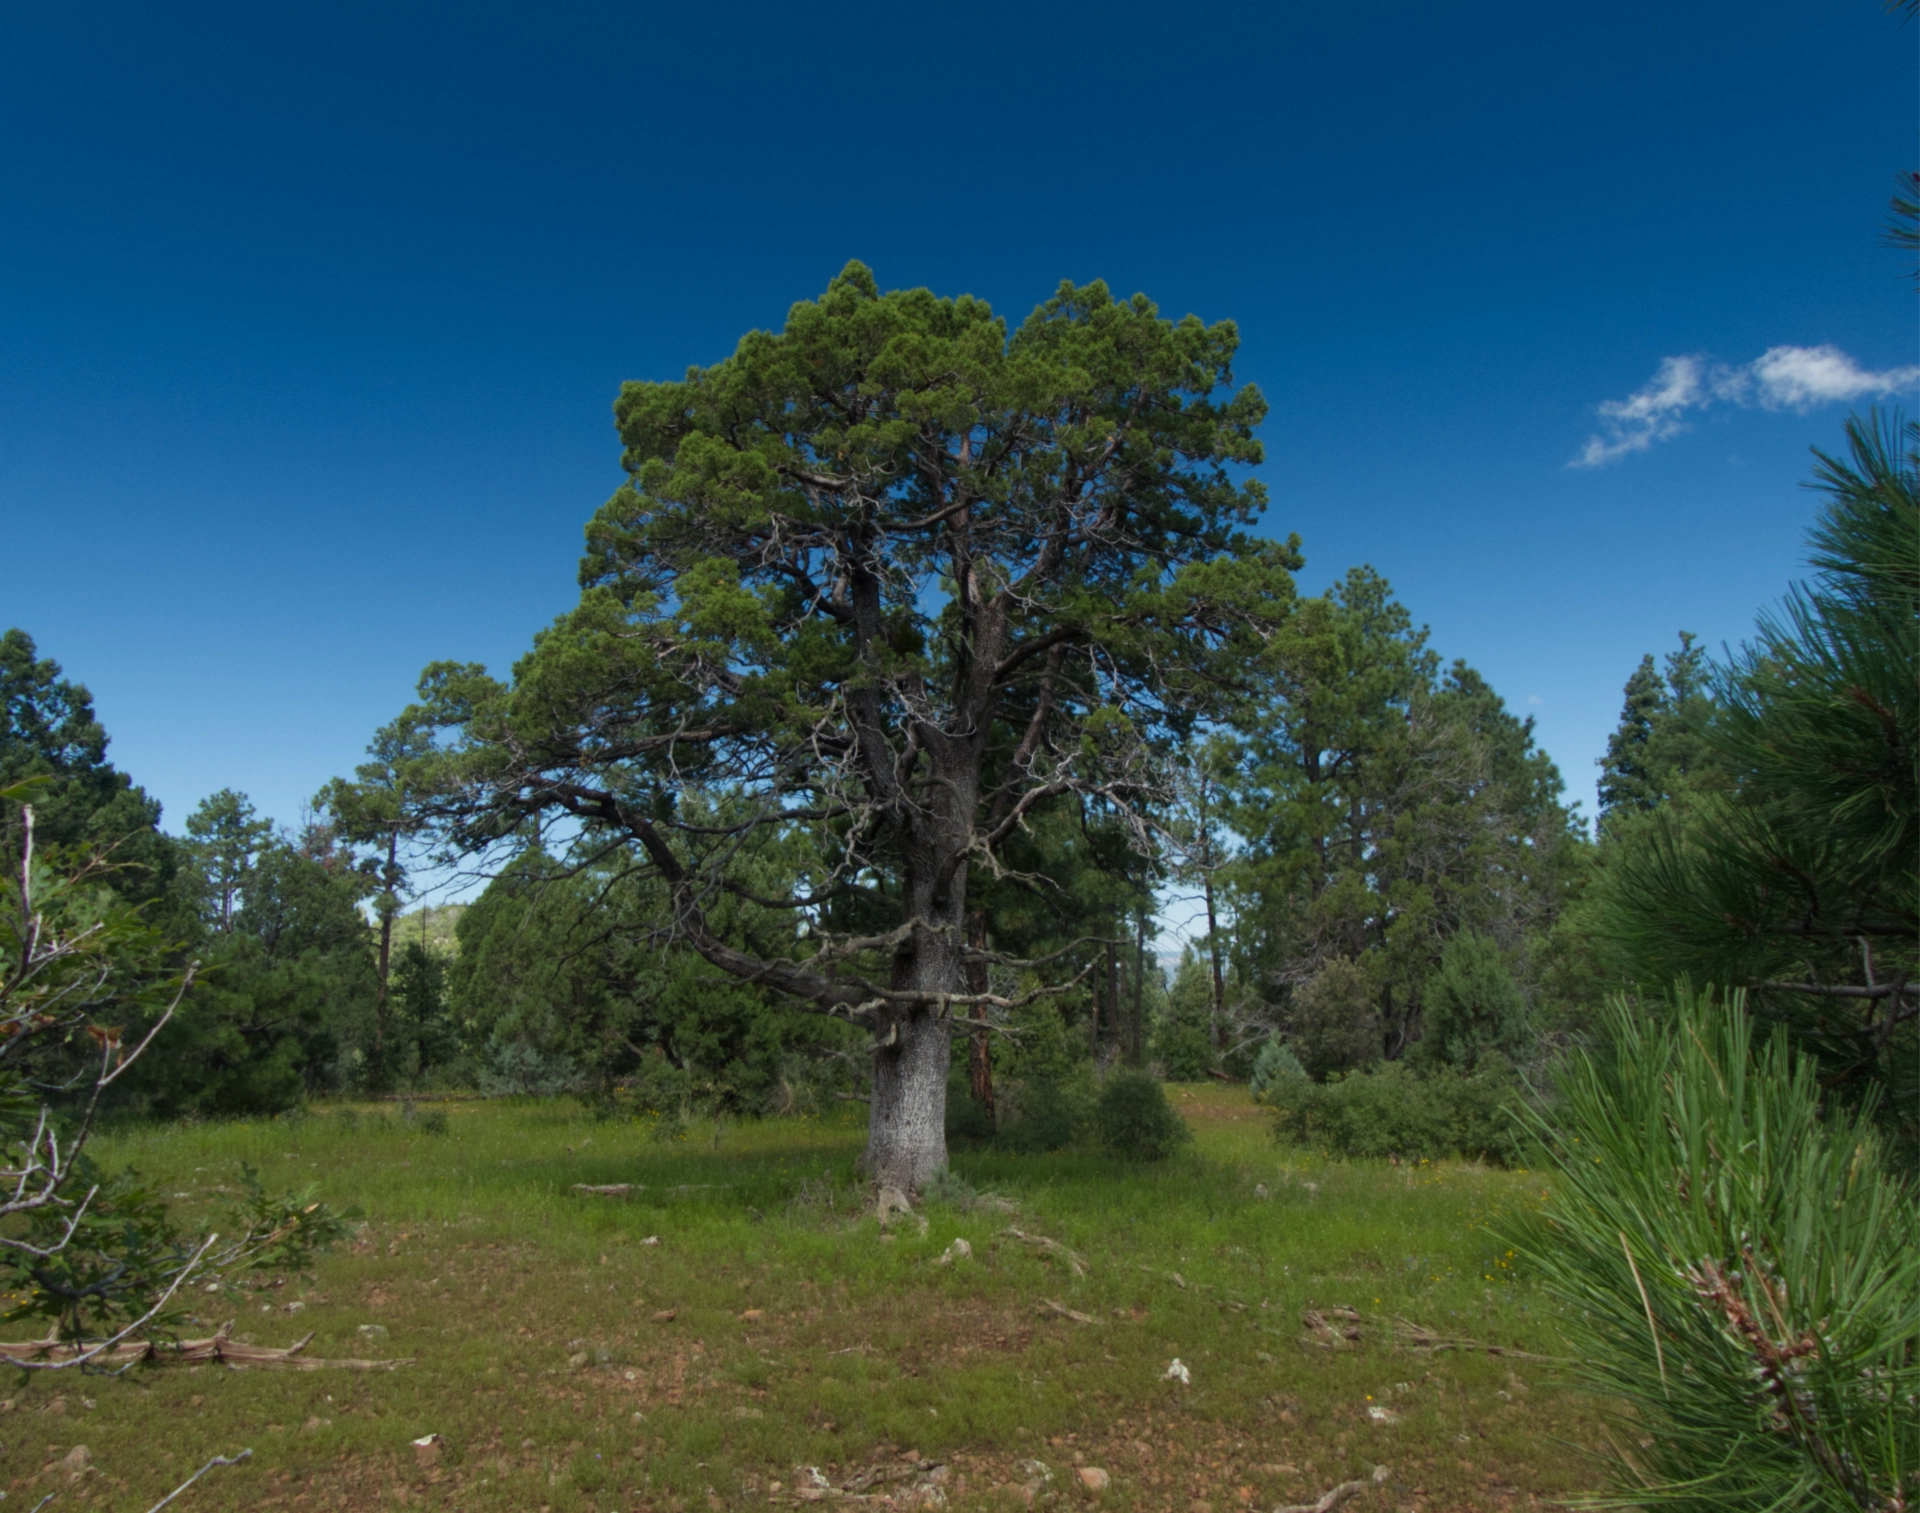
{"x":1781,"y":378}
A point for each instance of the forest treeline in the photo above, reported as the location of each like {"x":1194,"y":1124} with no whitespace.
{"x":1396,"y":920}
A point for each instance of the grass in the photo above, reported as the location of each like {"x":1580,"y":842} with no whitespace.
{"x":802,"y":1336}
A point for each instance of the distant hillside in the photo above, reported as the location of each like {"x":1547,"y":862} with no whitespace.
{"x":431,"y":925}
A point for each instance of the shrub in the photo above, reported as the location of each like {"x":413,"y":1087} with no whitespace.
{"x":1738,"y":1272}
{"x":1275,"y":1063}
{"x":969,"y":1122}
{"x":1134,"y":1121}
{"x":1036,"y":1116}
{"x":1472,"y":1004}
{"x":1332,"y":1024}
{"x":1398,"y":1111}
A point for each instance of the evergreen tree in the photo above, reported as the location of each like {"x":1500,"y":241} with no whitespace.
{"x":224,"y":837}
{"x":897,"y":576}
{"x":1796,"y":879}
{"x":1659,"y":747}
{"x":1626,"y":771}
{"x":48,"y":729}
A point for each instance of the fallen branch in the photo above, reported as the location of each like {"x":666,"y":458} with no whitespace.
{"x":611,"y":1190}
{"x":1329,"y":1500}
{"x":1052,"y":1247}
{"x":218,"y":1460}
{"x":218,"y":1348}
{"x":1411,"y":1336}
{"x":1334,"y":1329}
{"x":1066,"y":1312}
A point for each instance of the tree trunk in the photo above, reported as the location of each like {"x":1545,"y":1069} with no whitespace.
{"x":1219,"y":977}
{"x":907,"y":1121}
{"x":1116,"y":1026}
{"x":980,"y":1053}
{"x":1093,"y":1016}
{"x":1139,"y":986}
{"x":389,"y":903}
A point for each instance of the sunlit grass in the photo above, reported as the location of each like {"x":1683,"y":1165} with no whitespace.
{"x":801,"y":1336}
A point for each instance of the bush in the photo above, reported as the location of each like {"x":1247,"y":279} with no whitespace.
{"x":1332,"y":1024}
{"x":969,"y":1122}
{"x":1276,"y":1063}
{"x":1737,"y":1271}
{"x":1472,"y":1004}
{"x":1397,"y":1111}
{"x":1134,"y":1121}
{"x":1036,"y":1116}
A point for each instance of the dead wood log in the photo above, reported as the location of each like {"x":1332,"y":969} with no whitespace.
{"x":1331,"y":1329}
{"x":611,"y":1190}
{"x":1065,"y":1312}
{"x":1329,"y":1500}
{"x":1411,"y":1336}
{"x":218,"y":1348}
{"x":1052,"y":1247}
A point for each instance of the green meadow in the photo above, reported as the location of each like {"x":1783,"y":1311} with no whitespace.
{"x":738,"y":1330}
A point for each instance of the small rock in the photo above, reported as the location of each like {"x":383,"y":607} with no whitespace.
{"x":959,"y":1250}
{"x":665,"y":1315}
{"x":1177,"y":1372}
{"x":1382,"y":1415}
{"x":651,"y":1240}
{"x":1382,"y":1475}
{"x":426,"y":1450}
{"x":295,"y":1306}
{"x":1259,"y":1189}
{"x":374,"y":1331}
{"x":577,"y":1359}
{"x":752,"y":1316}
{"x":76,"y":1462}
{"x":1094,"y":1479}
{"x":315,"y":1424}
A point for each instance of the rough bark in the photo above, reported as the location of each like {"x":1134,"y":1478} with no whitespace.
{"x":980,"y":1051}
{"x":907,"y":1122}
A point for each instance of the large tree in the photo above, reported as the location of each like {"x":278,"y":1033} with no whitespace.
{"x":897,"y":576}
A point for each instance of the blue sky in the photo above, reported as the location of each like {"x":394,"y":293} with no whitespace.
{"x":311,"y":318}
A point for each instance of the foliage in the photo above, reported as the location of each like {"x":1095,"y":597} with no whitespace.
{"x":558,"y":984}
{"x":1799,"y":882}
{"x":1738,"y":1270}
{"x":224,"y":839}
{"x":1657,"y":747}
{"x":1039,"y":1114}
{"x":1133,"y":1120}
{"x":1183,"y":1040}
{"x":282,"y":1009}
{"x":892,"y":578}
{"x":1385,"y":805}
{"x":1473,"y":1004}
{"x":96,"y":1253}
{"x":82,"y":806}
{"x":1276,"y":1063}
{"x":1398,"y":1110}
{"x":1332,"y":1025}
{"x":284,"y":1231}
